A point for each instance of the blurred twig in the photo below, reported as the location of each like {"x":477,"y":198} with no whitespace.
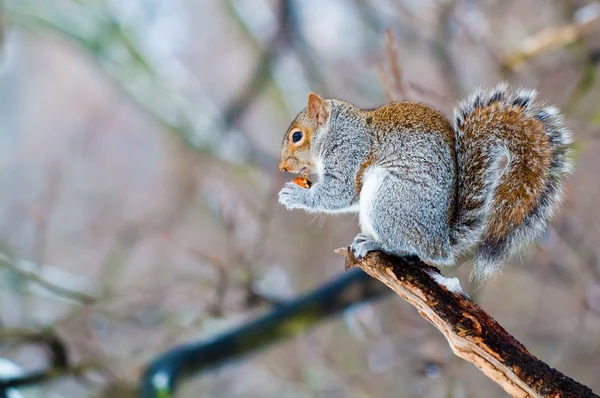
{"x":41,"y":215}
{"x":385,"y":82}
{"x":9,"y":263}
{"x":305,"y":53}
{"x":262,"y":71}
{"x":120,"y":55}
{"x":46,"y":337}
{"x":395,"y":71}
{"x":44,"y":376}
{"x":264,"y":216}
{"x":294,"y":317}
{"x":484,"y":38}
{"x":60,"y":363}
{"x":220,"y":268}
{"x":396,"y":87}
{"x":442,"y":46}
{"x":550,"y":39}
{"x":288,"y":34}
{"x":584,"y":86}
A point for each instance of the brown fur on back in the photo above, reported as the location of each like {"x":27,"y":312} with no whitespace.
{"x":410,"y":116}
{"x":403,"y":117}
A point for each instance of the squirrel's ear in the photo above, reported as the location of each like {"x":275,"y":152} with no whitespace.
{"x":316,"y":109}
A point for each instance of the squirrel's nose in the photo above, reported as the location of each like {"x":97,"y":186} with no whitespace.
{"x":282,"y":167}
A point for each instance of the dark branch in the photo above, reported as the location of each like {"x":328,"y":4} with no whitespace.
{"x":285,"y":321}
{"x":472,"y":334}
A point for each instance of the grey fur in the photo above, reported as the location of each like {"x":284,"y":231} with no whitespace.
{"x":413,"y":199}
{"x":414,"y":181}
{"x":414,"y":196}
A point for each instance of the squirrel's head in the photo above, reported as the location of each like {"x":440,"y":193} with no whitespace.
{"x":296,"y":151}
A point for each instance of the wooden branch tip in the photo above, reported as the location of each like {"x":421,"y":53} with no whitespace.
{"x":471,"y":333}
{"x":350,"y":261}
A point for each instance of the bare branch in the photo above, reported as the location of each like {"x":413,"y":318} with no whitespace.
{"x":47,"y":337}
{"x":47,"y":375}
{"x":83,"y":298}
{"x":395,"y":70}
{"x":550,"y":39}
{"x":472,"y":334}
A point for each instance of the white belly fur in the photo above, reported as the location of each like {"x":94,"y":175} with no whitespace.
{"x":371,"y":182}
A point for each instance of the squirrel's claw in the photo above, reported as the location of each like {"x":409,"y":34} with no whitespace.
{"x":362,"y":244}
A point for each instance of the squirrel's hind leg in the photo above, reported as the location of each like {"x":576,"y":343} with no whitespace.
{"x":405,"y":218}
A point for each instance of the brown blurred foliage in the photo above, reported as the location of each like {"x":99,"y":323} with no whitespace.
{"x":139,"y":144}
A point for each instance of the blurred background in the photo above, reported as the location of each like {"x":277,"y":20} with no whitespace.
{"x":139,"y":143}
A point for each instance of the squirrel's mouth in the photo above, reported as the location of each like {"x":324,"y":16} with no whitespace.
{"x":288,"y":165}
{"x":292,"y":165}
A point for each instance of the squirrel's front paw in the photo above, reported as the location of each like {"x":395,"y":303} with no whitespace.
{"x":362,"y":244}
{"x":293,"y":196}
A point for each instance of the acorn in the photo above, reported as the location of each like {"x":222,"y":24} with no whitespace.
{"x":302,"y":179}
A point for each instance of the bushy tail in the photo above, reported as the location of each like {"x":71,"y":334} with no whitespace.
{"x":513,"y":155}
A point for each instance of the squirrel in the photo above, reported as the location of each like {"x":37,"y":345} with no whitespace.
{"x":486,"y":186}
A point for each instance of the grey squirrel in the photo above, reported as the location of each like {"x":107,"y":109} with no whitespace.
{"x":487,"y":186}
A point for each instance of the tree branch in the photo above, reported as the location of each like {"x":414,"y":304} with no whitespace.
{"x":472,"y":334}
{"x":551,"y":39}
{"x":9,"y":263}
{"x":47,"y":337}
{"x":291,"y":318}
{"x":47,"y":375}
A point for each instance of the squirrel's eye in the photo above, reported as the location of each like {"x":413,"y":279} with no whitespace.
{"x":297,"y":136}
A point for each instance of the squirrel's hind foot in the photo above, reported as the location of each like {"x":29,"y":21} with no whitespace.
{"x":362,"y":244}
